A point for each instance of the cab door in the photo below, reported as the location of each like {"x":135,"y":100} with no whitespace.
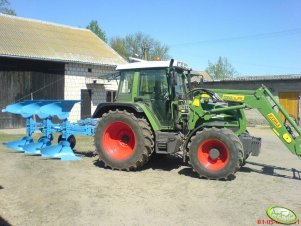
{"x":153,"y":88}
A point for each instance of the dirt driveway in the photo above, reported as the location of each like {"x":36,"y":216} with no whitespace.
{"x":34,"y":191}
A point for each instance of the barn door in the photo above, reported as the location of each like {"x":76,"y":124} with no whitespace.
{"x":85,"y":111}
{"x":290,"y":102}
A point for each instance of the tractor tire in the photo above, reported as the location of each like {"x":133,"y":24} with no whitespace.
{"x":215,"y":153}
{"x":123,"y":141}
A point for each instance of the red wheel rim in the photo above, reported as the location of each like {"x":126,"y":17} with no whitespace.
{"x":221,"y":157}
{"x":119,"y":140}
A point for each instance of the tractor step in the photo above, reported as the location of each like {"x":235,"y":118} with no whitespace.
{"x":167,"y":142}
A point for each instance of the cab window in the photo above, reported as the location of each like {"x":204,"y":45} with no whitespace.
{"x":126,"y":82}
{"x":153,"y":84}
{"x":180,"y":87}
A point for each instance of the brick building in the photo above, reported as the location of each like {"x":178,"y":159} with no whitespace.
{"x":41,"y":60}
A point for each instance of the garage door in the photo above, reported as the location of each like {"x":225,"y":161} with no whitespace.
{"x":290,"y":101}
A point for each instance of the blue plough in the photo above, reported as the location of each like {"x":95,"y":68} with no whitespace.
{"x":47,"y":111}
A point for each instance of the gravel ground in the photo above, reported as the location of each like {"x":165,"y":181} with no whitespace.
{"x":34,"y":191}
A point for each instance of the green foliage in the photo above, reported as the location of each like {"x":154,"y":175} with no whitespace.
{"x":140,"y":45}
{"x":4,"y":8}
{"x":222,"y":69}
{"x":119,"y":45}
{"x":95,"y":28}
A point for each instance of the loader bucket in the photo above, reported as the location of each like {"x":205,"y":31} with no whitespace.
{"x":17,"y":145}
{"x":61,"y":151}
{"x":34,"y":148}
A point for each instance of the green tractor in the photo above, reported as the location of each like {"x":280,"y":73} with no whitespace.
{"x":157,"y":112}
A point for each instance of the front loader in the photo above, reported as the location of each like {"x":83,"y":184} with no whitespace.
{"x":156,"y":112}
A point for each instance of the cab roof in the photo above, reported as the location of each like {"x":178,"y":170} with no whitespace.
{"x":151,"y":64}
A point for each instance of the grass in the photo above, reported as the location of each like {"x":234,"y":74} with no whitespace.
{"x":7,"y":137}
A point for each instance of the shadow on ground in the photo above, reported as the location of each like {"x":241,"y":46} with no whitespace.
{"x":3,"y":222}
{"x":157,"y":162}
{"x":170,"y":162}
{"x":88,"y":154}
{"x":270,"y":170}
{"x":188,"y":171}
{"x":164,"y":162}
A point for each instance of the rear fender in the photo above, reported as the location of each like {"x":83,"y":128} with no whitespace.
{"x":132,"y":108}
{"x":105,"y":107}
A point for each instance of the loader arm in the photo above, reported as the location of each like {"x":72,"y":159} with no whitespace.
{"x":264,"y":101}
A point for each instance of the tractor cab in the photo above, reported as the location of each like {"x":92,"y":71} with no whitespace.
{"x":158,"y":86}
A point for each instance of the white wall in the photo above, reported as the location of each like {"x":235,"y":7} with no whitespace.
{"x":98,"y":95}
{"x":78,"y":77}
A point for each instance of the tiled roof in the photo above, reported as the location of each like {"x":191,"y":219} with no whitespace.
{"x":205,"y":75}
{"x":32,"y":39}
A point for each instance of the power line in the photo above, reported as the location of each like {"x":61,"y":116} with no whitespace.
{"x":37,"y":90}
{"x":289,"y":32}
{"x":265,"y":65}
{"x":31,"y":93}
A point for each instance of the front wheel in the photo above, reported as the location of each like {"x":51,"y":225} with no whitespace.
{"x":215,"y":153}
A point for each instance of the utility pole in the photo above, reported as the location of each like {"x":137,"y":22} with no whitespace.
{"x":145,"y":50}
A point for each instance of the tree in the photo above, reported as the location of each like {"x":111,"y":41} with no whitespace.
{"x":95,"y":28}
{"x":221,"y":69}
{"x":140,"y":45}
{"x":4,"y":8}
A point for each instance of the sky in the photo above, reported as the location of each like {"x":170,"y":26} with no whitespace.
{"x":258,"y":37}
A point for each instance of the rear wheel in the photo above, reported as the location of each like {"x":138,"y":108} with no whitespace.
{"x":123,"y":141}
{"x":215,"y":153}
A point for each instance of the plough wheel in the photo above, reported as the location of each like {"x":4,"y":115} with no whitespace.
{"x":215,"y":153}
{"x":123,"y":141}
{"x":71,"y":139}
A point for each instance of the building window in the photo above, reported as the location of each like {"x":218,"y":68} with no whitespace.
{"x":110,"y":96}
{"x":89,"y":69}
